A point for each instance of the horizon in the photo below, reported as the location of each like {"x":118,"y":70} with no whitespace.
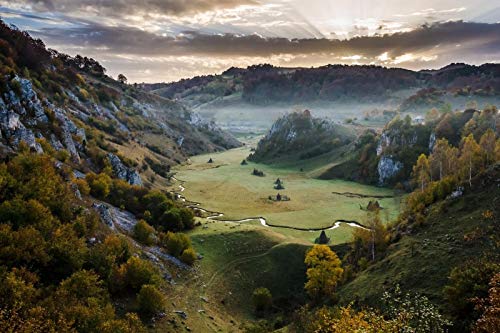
{"x":320,"y":66}
{"x":151,"y":41}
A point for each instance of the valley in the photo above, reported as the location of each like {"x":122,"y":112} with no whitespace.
{"x":331,"y":199}
{"x":227,"y":186}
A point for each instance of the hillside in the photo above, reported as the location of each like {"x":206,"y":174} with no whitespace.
{"x":299,"y":135}
{"x":387,"y":158}
{"x":456,"y":233}
{"x":240,"y":98}
{"x":52,"y":101}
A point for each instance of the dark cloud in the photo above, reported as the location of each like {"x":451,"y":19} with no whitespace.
{"x":125,"y":40}
{"x":120,"y":7}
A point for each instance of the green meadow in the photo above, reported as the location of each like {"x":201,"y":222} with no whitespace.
{"x":227,"y":186}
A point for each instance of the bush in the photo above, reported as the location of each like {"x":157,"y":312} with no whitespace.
{"x":188,"y":256}
{"x":144,"y":233}
{"x":83,"y":186}
{"x":177,"y":243}
{"x":99,"y":184}
{"x":262,"y":299}
{"x":134,"y":274}
{"x":150,"y":300}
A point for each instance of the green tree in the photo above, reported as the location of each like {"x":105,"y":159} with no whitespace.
{"x":324,"y":271}
{"x":176,"y":243}
{"x":414,"y":312}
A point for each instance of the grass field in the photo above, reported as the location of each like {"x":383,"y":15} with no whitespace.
{"x":239,"y":257}
{"x":228,"y":187}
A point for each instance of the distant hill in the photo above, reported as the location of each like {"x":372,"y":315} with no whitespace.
{"x":300,"y":135}
{"x":334,"y":88}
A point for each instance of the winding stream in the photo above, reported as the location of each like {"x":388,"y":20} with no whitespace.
{"x":216,"y":216}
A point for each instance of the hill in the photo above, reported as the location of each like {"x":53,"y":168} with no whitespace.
{"x":299,"y":135}
{"x":240,"y":98}
{"x":53,"y":101}
{"x":456,"y":233}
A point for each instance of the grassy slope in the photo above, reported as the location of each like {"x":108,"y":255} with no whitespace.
{"x":237,"y":259}
{"x":437,"y":247}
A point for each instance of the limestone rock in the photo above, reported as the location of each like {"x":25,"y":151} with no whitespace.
{"x":130,"y":175}
{"x":387,"y":168}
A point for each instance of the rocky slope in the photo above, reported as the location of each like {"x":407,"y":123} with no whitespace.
{"x":300,"y":135}
{"x":387,"y":158}
{"x":53,"y":102}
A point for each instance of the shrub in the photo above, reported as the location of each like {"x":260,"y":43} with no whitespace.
{"x":83,"y":186}
{"x":188,"y":256}
{"x":150,"y":300}
{"x":99,"y":184}
{"x":177,"y":243}
{"x":144,"y":233}
{"x":135,"y":273}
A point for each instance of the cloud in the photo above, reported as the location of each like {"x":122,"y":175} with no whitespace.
{"x":128,"y":7}
{"x":132,"y":41}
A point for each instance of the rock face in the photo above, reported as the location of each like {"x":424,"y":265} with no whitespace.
{"x":388,"y":168}
{"x":130,"y":175}
{"x":432,"y":141}
{"x":398,"y":148}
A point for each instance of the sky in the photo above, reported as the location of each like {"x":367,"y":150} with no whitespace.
{"x":166,"y":40}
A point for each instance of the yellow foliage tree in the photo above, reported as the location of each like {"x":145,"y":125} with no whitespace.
{"x":421,"y":172}
{"x":470,"y":157}
{"x":323,"y":273}
{"x":487,"y":144}
{"x":346,"y":320}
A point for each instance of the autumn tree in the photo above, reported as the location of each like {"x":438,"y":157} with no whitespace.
{"x":343,"y":320}
{"x":490,"y":308}
{"x":421,"y":172}
{"x":324,"y":271}
{"x":470,"y":158}
{"x":443,"y":159}
{"x":487,"y":144}
{"x":370,"y":240}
